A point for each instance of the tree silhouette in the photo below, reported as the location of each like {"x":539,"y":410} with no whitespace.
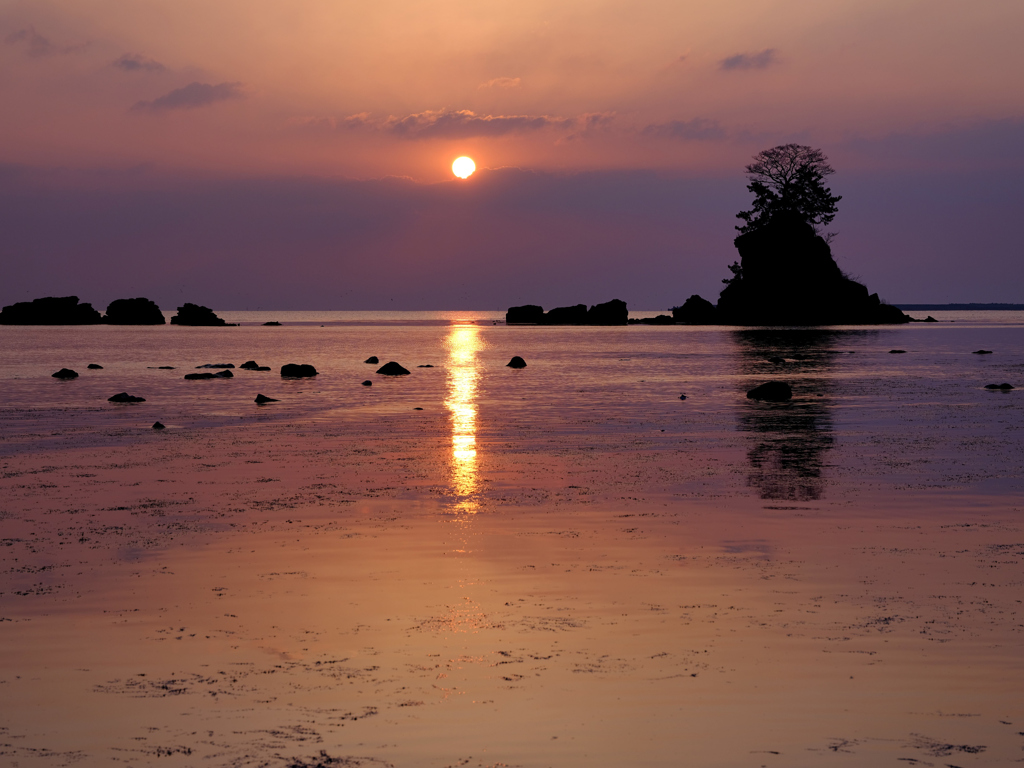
{"x":789,"y":179}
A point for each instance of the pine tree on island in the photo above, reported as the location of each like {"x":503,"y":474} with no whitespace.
{"x":786,"y":274}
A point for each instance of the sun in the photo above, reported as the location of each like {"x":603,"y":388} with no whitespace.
{"x":463,"y":167}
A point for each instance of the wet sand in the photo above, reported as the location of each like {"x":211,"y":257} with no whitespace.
{"x":266,"y":595}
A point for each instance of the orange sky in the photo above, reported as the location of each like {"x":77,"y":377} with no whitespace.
{"x":401,"y":87}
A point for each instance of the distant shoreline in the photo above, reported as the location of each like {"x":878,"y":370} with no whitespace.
{"x":959,"y":307}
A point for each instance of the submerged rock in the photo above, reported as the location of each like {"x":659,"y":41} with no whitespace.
{"x":261,"y":399}
{"x":982,"y":352}
{"x":94,"y":367}
{"x":367,"y":383}
{"x":158,"y":425}
{"x":65,"y":373}
{"x":775,"y":391}
{"x":124,"y":397}
{"x":298,"y":370}
{"x":897,"y":351}
{"x":272,"y":322}
{"x":51,"y":310}
{"x":1004,"y":386}
{"x":392,"y":369}
{"x":516,"y":362}
{"x":217,"y":365}
{"x":218,"y":375}
{"x":372,"y":360}
{"x":249,"y":365}
{"x":193,"y":314}
{"x":140,"y":311}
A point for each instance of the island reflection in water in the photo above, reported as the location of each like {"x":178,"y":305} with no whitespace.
{"x":463,"y":343}
{"x":793,"y":438}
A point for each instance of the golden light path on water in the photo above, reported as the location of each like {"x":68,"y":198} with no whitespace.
{"x":463,"y":343}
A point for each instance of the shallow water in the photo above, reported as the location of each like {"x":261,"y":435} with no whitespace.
{"x":561,"y":565}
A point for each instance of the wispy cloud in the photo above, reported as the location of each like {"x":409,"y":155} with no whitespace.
{"x":37,"y":45}
{"x":502,"y":82}
{"x":192,"y":96}
{"x":760,"y":60}
{"x":697,"y":129}
{"x":134,"y":62}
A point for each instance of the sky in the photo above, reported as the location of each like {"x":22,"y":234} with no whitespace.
{"x":247,"y":154}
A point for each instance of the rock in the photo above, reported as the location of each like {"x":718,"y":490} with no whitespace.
{"x":574,"y":315}
{"x":657,"y":320}
{"x":392,"y":369}
{"x":367,"y":383}
{"x":612,"y":312}
{"x":425,"y":366}
{"x":417,"y":408}
{"x":52,"y":310}
{"x":124,"y":397}
{"x":138,"y":311}
{"x":193,"y":314}
{"x":298,"y":370}
{"x":897,"y":351}
{"x":217,"y":365}
{"x":262,"y":368}
{"x":158,"y":425}
{"x":372,"y":360}
{"x":681,"y":397}
{"x":218,"y":375}
{"x":1004,"y":386}
{"x":516,"y":362}
{"x":94,"y":367}
{"x":250,"y":365}
{"x":787,"y":276}
{"x":775,"y":391}
{"x":982,"y":352}
{"x":261,"y":399}
{"x":165,"y":368}
{"x":272,"y":322}
{"x":528,"y":314}
{"x":696,"y":311}
{"x":65,"y":373}
{"x":929,"y":319}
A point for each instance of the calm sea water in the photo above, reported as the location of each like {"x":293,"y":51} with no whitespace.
{"x":921,"y":417}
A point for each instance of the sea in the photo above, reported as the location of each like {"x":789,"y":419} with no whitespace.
{"x":609,"y":557}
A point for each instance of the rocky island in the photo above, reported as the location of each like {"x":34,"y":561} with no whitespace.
{"x":612,"y":312}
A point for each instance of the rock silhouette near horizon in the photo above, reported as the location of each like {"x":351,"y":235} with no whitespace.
{"x":612,"y":312}
{"x":138,"y":311}
{"x":194,"y":314}
{"x":51,"y":310}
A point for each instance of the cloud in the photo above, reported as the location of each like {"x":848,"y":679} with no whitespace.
{"x":192,"y":96}
{"x":455,"y":124}
{"x":750,"y":60}
{"x":697,"y":129}
{"x":37,"y":44}
{"x":134,"y":62}
{"x":502,"y":82}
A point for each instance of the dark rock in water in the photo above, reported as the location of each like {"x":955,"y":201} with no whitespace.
{"x":775,"y":391}
{"x":272,"y":322}
{"x":367,"y":383}
{"x":392,"y":369}
{"x":1004,"y":386}
{"x":65,"y":373}
{"x":193,"y":314}
{"x":516,"y":362}
{"x":218,"y":375}
{"x":217,"y":365}
{"x":372,"y":360}
{"x":897,"y":351}
{"x":982,"y":352}
{"x":787,"y":276}
{"x":250,"y":365}
{"x":696,"y":311}
{"x":681,"y":397}
{"x":612,"y":312}
{"x":138,"y":311}
{"x":165,"y":368}
{"x":656,"y":320}
{"x":261,"y":399}
{"x":124,"y":397}
{"x":526,"y":314}
{"x":929,"y":319}
{"x":574,"y":315}
{"x":94,"y":367}
{"x":428,"y":365}
{"x":417,"y":408}
{"x":261,"y":368}
{"x":298,"y":370}
{"x":777,"y":360}
{"x":52,"y":310}
{"x":158,"y":425}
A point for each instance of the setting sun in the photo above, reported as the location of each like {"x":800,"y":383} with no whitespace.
{"x":463,"y":167}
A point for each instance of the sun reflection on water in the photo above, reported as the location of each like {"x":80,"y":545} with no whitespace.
{"x":463,"y":343}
